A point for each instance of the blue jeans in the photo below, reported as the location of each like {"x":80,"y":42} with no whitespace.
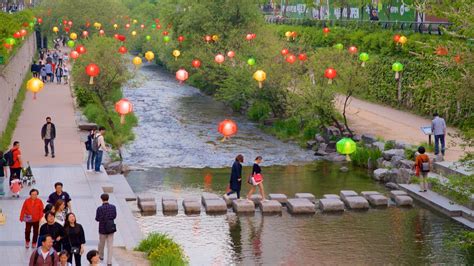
{"x":91,"y":160}
{"x":439,"y":138}
{"x":98,"y":160}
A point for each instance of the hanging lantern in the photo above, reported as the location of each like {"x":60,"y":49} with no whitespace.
{"x":397,"y":67}
{"x":396,"y":38}
{"x":302,"y":57}
{"x":364,"y":57}
{"x":346,"y":146}
{"x":403,"y":40}
{"x":123,"y":107}
{"x":81,"y":49}
{"x":352,"y":50}
{"x":176,"y":54}
{"x":294,"y":34}
{"x":215,"y":38}
{"x":135,"y":21}
{"x":208,"y":38}
{"x":85,"y":34}
{"x":127,"y":26}
{"x":326,"y":31}
{"x":23,"y":33}
{"x":158,"y":26}
{"x":231,"y":54}
{"x":34,"y":85}
{"x":121,"y":38}
{"x":291,"y":58}
{"x":134,"y":33}
{"x":8,"y":47}
{"x":249,"y":37}
{"x":227,"y":128}
{"x":153,"y":26}
{"x":122,"y":50}
{"x":67,"y":29}
{"x":142,"y":26}
{"x":148,"y":37}
{"x":73,"y":36}
{"x":165,"y":33}
{"x":149,"y":56}
{"x":251,"y":61}
{"x":55,"y":29}
{"x":219,"y":59}
{"x":69,"y":23}
{"x":457,"y":59}
{"x":101,"y":32}
{"x":441,"y":51}
{"x":88,"y":24}
{"x":182,"y":75}
{"x":288,"y":35}
{"x":196,"y":63}
{"x":17,"y":35}
{"x":137,"y":61}
{"x":260,"y":76}
{"x":39,"y":20}
{"x":92,"y":70}
{"x":74,"y":55}
{"x":166,"y":39}
{"x":330,"y":74}
{"x":115,"y":26}
{"x":180,"y":38}
{"x":339,"y":46}
{"x":70,"y":43}
{"x":284,"y":52}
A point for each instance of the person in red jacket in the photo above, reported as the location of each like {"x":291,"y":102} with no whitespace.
{"x":31,"y":214}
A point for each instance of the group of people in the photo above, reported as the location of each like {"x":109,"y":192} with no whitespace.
{"x":57,"y":236}
{"x":55,"y":66}
{"x":254,"y":180}
{"x":95,"y":146}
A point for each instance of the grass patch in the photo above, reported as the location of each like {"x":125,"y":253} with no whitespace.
{"x":6,"y":137}
{"x":362,"y":155}
{"x":428,"y":148}
{"x":458,"y":188}
{"x":162,"y":250}
{"x":389,"y":145}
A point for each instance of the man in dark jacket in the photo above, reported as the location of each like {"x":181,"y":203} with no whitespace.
{"x":34,"y":69}
{"x":105,"y":215}
{"x":48,"y":134}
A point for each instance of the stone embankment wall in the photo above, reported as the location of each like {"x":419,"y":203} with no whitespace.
{"x":11,"y":78}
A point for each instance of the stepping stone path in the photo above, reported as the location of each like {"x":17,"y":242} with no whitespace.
{"x":146,"y":203}
{"x":331,"y":196}
{"x":401,"y":198}
{"x":243,"y":206}
{"x":307,"y":196}
{"x":331,"y":205}
{"x":347,"y":193}
{"x":300,"y":206}
{"x":375,"y":198}
{"x":191,"y":206}
{"x":281,"y":198}
{"x":229,"y":199}
{"x":353,"y":200}
{"x":256,"y":198}
{"x":213,"y":203}
{"x":271,"y":206}
{"x":169,"y":204}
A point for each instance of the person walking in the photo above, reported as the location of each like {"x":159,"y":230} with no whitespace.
{"x":74,"y":239}
{"x":65,"y":74}
{"x":34,"y":69}
{"x":49,"y":71}
{"x":3,"y":173}
{"x":438,"y":128}
{"x":31,"y":213}
{"x":45,"y":255}
{"x":105,"y":215}
{"x":91,"y":153}
{"x":59,"y":74}
{"x":256,"y":178}
{"x":43,"y":73}
{"x":98,"y":144}
{"x":60,"y":212}
{"x":13,"y":157}
{"x":52,"y":228}
{"x":423,"y":166}
{"x":235,"y":182}
{"x":48,"y":134}
{"x":59,"y":194}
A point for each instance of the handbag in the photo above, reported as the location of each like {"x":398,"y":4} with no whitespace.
{"x":27,"y":218}
{"x":110,"y":227}
{"x":258,"y":178}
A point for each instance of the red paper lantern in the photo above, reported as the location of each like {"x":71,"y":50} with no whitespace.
{"x":158,"y":26}
{"x":291,"y":58}
{"x":74,"y":55}
{"x":326,"y":31}
{"x":441,"y":51}
{"x":284,"y":52}
{"x":101,"y":32}
{"x":64,"y":22}
{"x":230,"y":54}
{"x":157,"y":21}
{"x":227,"y":128}
{"x":208,"y":38}
{"x":254,"y":35}
{"x":121,"y":38}
{"x":67,"y":29}
{"x":396,"y":38}
{"x":17,"y":35}
{"x":23,"y":32}
{"x":196,"y":63}
{"x":25,"y":24}
{"x":165,"y":33}
{"x":122,"y":50}
{"x":330,"y":74}
{"x":88,"y":24}
{"x":180,"y":38}
{"x":142,"y":26}
{"x":116,"y":36}
{"x":7,"y":46}
{"x":294,"y":34}
{"x":352,"y":50}
{"x":249,"y":37}
{"x":127,"y":26}
{"x":92,"y":70}
{"x":85,"y":34}
{"x":302,"y":57}
{"x":219,"y":59}
{"x":123,"y":107}
{"x":457,"y":59}
{"x":182,"y":75}
{"x":81,"y":49}
{"x":40,"y":20}
{"x":69,"y":23}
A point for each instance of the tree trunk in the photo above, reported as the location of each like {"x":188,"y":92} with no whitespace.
{"x":348,"y":96}
{"x":399,"y":90}
{"x":284,"y":9}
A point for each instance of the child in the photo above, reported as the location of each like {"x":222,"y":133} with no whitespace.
{"x":65,"y":74}
{"x":15,"y":186}
{"x":63,"y":256}
{"x":422,"y":165}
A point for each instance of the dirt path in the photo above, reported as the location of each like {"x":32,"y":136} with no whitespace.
{"x":393,"y":124}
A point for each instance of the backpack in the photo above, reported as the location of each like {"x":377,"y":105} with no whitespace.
{"x":95,"y":143}
{"x":425,"y":167}
{"x":8,"y":156}
{"x":35,"y":260}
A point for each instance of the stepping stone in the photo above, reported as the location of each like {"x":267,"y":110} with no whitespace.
{"x":229,"y":200}
{"x":347,"y":193}
{"x":404,"y":200}
{"x":147,"y":206}
{"x":331,"y":196}
{"x":331,"y":205}
{"x":366,"y":194}
{"x":243,"y":206}
{"x":145,"y":197}
{"x":281,"y":198}
{"x":208,"y":196}
{"x":169,"y":204}
{"x":270,"y":206}
{"x":214,"y":206}
{"x":377,"y":200}
{"x":300,"y":206}
{"x":395,"y":193}
{"x":256,"y":198}
{"x":357,"y":203}
{"x":307,"y":196}
{"x":191,"y":206}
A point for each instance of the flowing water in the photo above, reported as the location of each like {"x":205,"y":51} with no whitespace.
{"x":178,"y":146}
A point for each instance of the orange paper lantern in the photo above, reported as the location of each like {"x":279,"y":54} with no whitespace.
{"x":227,"y":128}
{"x":182,"y":75}
{"x":123,"y":107}
{"x":92,"y":70}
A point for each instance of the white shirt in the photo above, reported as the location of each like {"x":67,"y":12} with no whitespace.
{"x":101,"y":142}
{"x":45,"y":255}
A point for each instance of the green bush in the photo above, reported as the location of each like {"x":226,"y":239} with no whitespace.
{"x":259,"y":111}
{"x":389,"y":145}
{"x":11,"y":23}
{"x":286,"y":129}
{"x":458,"y":188}
{"x":162,"y":250}
{"x":410,"y":153}
{"x":362,"y":155}
{"x":83,"y":96}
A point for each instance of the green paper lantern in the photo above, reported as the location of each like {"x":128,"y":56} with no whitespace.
{"x":166,"y":39}
{"x":153,"y":26}
{"x":397,"y":67}
{"x":70,"y":43}
{"x":148,"y":37}
{"x":10,"y":41}
{"x":31,"y":24}
{"x":346,"y":146}
{"x":364,"y":57}
{"x":339,"y":46}
{"x":251,"y":61}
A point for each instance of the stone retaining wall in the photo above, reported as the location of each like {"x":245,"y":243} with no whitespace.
{"x":11,"y":78}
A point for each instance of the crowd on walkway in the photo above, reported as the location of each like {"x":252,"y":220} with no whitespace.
{"x":52,"y":64}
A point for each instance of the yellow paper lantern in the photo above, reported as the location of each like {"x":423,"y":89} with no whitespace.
{"x":149,"y":56}
{"x":137,"y":61}
{"x":215,"y":38}
{"x":135,"y":21}
{"x":134,"y":33}
{"x":260,"y":76}
{"x":176,"y":54}
{"x":73,"y":36}
{"x":55,"y":29}
{"x":115,"y":26}
{"x":288,"y":35}
{"x":34,"y":85}
{"x":403,"y":40}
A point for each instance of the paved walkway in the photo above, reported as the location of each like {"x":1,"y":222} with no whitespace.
{"x":393,"y":124}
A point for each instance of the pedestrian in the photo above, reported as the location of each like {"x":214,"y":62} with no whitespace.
{"x":15,"y":186}
{"x":93,"y":257}
{"x":43,"y":73}
{"x":438,"y":128}
{"x":66,"y":58}
{"x":59,"y":194}
{"x":235,"y":182}
{"x":49,"y":59}
{"x":60,"y":212}
{"x":48,"y":134}
{"x":74,"y":239}
{"x":31,"y":213}
{"x":64,"y":259}
{"x":45,"y":255}
{"x":55,"y":56}
{"x":423,"y":166}
{"x":91,"y":153}
{"x":60,"y":59}
{"x":53,"y":68}
{"x":41,"y":54}
{"x":105,"y":215}
{"x":3,"y":173}
{"x":49,"y":71}
{"x":13,"y":158}
{"x":98,"y":144}
{"x":65,"y":74}
{"x":34,"y":68}
{"x":59,"y":74}
{"x":53,"y":229}
{"x":256,"y":179}
{"x":47,"y":208}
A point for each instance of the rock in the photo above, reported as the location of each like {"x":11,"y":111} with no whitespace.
{"x":378,"y":200}
{"x":243,"y":206}
{"x":300,"y":206}
{"x":270,"y":207}
{"x":396,"y":160}
{"x":169,"y":204}
{"x":392,"y":176}
{"x":331,"y":205}
{"x":335,"y":157}
{"x":319,"y":138}
{"x":404,"y":200}
{"x":392,"y":185}
{"x":379,"y":174}
{"x":322,"y":147}
{"x":269,"y":121}
{"x":379,"y":145}
{"x":307,"y":196}
{"x":344,"y":169}
{"x":191,"y":206}
{"x":366,"y":194}
{"x":370,"y":164}
{"x":395,"y":193}
{"x":387,"y":155}
{"x":401,"y":145}
{"x":256,"y":199}
{"x":86,"y":126}
{"x":356,"y":202}
{"x":113,"y":168}
{"x":347,"y":193}
{"x":310,"y":144}
{"x":404,"y":176}
{"x":331,"y":146}
{"x":368,"y":138}
{"x":281,"y":198}
{"x":356,"y":138}
{"x":147,"y":207}
{"x":331,"y":131}
{"x":387,"y":164}
{"x":145,"y":197}
{"x":407,"y":164}
{"x":321,"y":152}
{"x":215,"y":206}
{"x":229,"y":199}
{"x":208,"y":196}
{"x":331,"y":196}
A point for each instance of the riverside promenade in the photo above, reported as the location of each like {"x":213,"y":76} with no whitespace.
{"x":68,"y":167}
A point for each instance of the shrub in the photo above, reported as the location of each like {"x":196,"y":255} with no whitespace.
{"x":286,"y":129}
{"x":389,"y":145}
{"x":83,"y":96}
{"x":410,"y":153}
{"x":457,"y":188}
{"x":259,"y":111}
{"x":162,"y":250}
{"x":362,"y":155}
